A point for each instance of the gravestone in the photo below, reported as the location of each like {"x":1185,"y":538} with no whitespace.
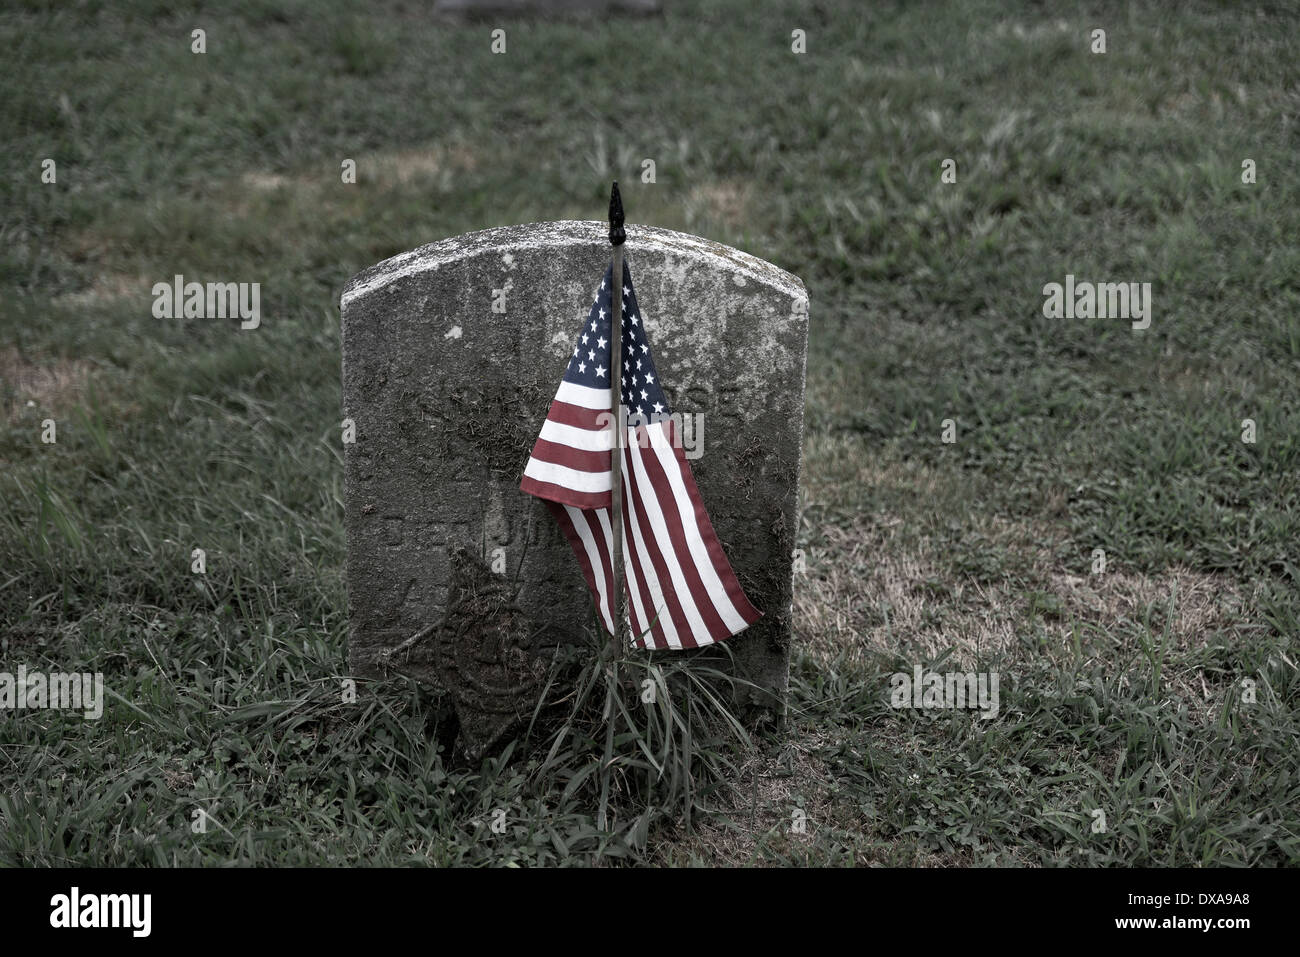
{"x":451,"y":355}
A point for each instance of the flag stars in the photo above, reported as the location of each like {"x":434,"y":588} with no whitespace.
{"x":592,"y":366}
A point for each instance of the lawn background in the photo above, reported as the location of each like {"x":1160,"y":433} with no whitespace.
{"x":1121,"y":692}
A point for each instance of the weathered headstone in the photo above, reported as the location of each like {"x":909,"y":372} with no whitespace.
{"x":451,"y":355}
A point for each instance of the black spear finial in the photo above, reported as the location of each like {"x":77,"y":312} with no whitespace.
{"x":617,"y":234}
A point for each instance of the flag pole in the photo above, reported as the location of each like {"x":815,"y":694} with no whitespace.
{"x":617,"y":236}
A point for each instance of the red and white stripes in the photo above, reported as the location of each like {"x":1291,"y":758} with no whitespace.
{"x":682,"y":592}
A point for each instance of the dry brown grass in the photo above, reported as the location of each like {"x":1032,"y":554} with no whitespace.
{"x":46,"y":386}
{"x":385,"y":170}
{"x":724,"y":201}
{"x":760,"y":810}
{"x":108,"y":287}
{"x":874,"y":585}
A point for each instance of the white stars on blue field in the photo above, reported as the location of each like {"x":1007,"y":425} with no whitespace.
{"x":590,"y":365}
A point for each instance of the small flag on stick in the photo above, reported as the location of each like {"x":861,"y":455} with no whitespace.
{"x":681,"y":591}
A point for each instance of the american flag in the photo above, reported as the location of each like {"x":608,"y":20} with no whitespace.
{"x":680,"y":587}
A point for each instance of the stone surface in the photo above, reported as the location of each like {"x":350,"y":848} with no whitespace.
{"x":485,"y":654}
{"x":448,"y":397}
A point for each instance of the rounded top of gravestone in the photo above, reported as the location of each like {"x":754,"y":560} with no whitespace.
{"x":585,"y":234}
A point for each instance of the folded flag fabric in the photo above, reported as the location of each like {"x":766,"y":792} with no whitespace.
{"x":681,"y":590}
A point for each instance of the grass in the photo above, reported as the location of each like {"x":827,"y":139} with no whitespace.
{"x":1126,"y":692}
